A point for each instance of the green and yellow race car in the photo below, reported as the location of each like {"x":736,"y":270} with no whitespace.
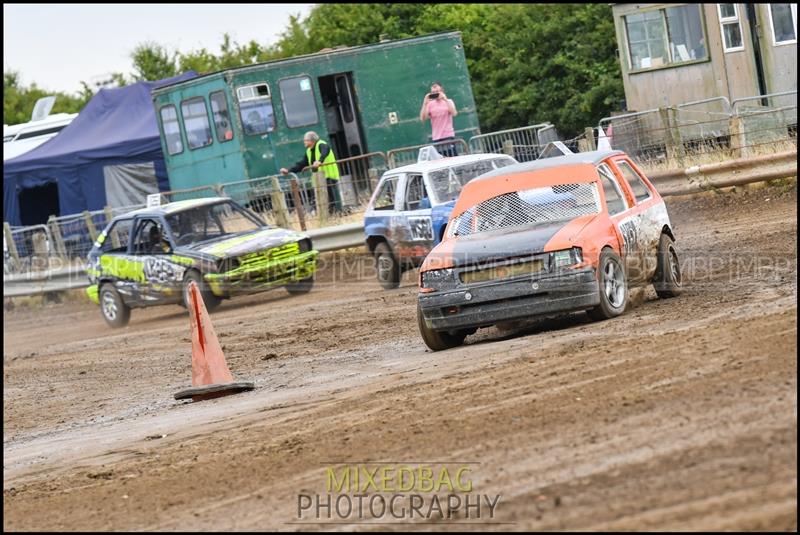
{"x":149,"y":256}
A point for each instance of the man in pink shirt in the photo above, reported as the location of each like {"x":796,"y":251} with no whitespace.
{"x":441,"y":111}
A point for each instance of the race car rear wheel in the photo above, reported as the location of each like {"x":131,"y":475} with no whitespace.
{"x":113,"y":309}
{"x":667,"y":280}
{"x":438,"y":340}
{"x":613,"y":283}
{"x":387,"y":266}
{"x":211,"y":301}
{"x":301,"y":287}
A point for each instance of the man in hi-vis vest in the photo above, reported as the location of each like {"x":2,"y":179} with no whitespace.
{"x":319,"y":156}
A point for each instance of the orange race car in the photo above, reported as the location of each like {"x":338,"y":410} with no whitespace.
{"x":556,"y":235}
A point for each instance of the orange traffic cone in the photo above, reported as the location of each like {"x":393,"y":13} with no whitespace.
{"x":211,"y":377}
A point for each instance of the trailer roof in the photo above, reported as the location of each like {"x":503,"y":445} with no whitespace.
{"x":325,"y":52}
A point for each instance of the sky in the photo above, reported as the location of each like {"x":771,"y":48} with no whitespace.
{"x":57,"y":45}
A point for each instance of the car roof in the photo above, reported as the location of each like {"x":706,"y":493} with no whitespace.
{"x":592,"y":157}
{"x":443,"y":163}
{"x":173,"y":207}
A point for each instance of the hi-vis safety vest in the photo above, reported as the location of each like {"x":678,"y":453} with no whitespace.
{"x":331,"y":171}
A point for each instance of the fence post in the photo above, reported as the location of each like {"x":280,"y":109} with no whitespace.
{"x":373,"y":178}
{"x":321,"y":195}
{"x":279,"y":204}
{"x":12,"y":247}
{"x":87,"y":217}
{"x":585,"y":143}
{"x":672,"y":137}
{"x":738,"y":141}
{"x":508,"y":147}
{"x":114,"y":237}
{"x":58,"y":240}
{"x":298,"y":203}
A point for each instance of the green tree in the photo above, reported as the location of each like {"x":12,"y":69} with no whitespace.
{"x":152,"y":61}
{"x":19,"y":100}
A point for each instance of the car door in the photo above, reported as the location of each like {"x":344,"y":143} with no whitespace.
{"x":620,"y":211}
{"x":158,"y":279}
{"x":382,"y":209}
{"x":648,"y":214}
{"x":413,"y":226}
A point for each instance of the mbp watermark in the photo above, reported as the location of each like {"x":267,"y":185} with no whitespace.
{"x":388,"y":492}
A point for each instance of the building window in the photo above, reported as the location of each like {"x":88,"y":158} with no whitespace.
{"x":222,"y":119}
{"x":255,"y":109}
{"x":195,"y":120}
{"x":172,"y":129}
{"x":299,"y":105}
{"x":731,"y":27}
{"x":783,"y":19}
{"x":665,"y":36}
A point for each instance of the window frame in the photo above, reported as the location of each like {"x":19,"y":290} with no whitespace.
{"x":410,"y":177}
{"x":109,"y":240}
{"x":618,"y":163}
{"x":138,"y":224}
{"x":267,"y":98}
{"x":390,"y":178}
{"x":178,"y":120}
{"x":723,"y":21}
{"x":313,"y":98}
{"x":793,"y":12}
{"x":670,"y":64}
{"x":183,"y":118}
{"x":227,"y":109}
{"x":615,"y":183}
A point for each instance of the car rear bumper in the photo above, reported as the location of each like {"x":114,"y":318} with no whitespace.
{"x":498,"y":301}
{"x":263,"y":277}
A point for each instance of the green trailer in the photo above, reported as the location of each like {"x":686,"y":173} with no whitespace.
{"x":248,"y":122}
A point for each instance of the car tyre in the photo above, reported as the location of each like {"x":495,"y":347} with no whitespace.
{"x":613,"y":286}
{"x":439,"y":340}
{"x":301,"y":287}
{"x":387,"y":266}
{"x":668,"y":279}
{"x":113,"y":309}
{"x":211,"y":301}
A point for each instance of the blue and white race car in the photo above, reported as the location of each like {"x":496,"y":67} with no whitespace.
{"x":409,"y":209}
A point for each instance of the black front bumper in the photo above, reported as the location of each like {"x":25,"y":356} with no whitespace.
{"x":496,"y":301}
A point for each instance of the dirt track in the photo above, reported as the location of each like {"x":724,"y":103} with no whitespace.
{"x":681,"y":414}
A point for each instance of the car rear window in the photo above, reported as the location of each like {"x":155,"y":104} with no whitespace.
{"x":531,"y":207}
{"x":447,"y":183}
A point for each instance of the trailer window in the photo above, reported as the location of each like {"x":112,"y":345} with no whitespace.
{"x":195,"y":120}
{"x":222,"y":119}
{"x":172,"y":129}
{"x":299,"y":105}
{"x":255,"y":109}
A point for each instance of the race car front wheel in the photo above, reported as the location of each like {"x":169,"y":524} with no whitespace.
{"x":211,"y":301}
{"x":114,"y":310}
{"x":387,"y":266}
{"x":439,"y":340}
{"x":667,"y":280}
{"x":613,"y":288}
{"x":301,"y":287}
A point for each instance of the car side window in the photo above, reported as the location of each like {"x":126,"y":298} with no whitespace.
{"x":384,"y":200}
{"x":117,"y":237}
{"x":416,"y":194}
{"x":639,"y":188}
{"x":150,"y":238}
{"x":615,"y":200}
